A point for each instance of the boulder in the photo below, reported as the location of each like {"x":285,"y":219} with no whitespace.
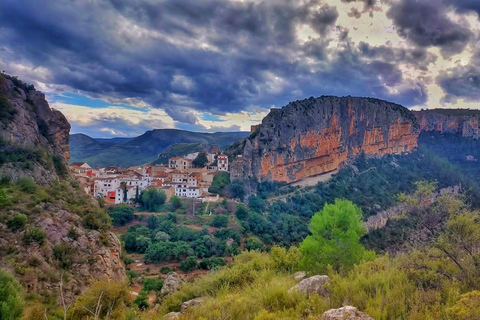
{"x":312,"y":285}
{"x":345,"y":313}
{"x":191,"y":303}
{"x":172,"y":316}
{"x":300,"y":275}
{"x":171,"y":284}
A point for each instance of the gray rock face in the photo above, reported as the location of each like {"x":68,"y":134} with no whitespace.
{"x":316,"y":135}
{"x":172,"y":316}
{"x":171,"y":284}
{"x":300,"y":275}
{"x":465,"y":123}
{"x":345,"y":313}
{"x":192,"y":303}
{"x":312,"y":285}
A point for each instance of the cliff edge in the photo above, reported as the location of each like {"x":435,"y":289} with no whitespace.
{"x":316,"y":135}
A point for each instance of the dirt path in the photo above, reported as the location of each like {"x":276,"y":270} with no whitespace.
{"x":314,"y":180}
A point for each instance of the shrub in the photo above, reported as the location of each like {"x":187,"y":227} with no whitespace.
{"x":242,"y":212}
{"x":189,"y":264}
{"x":254,"y":244}
{"x":27,"y":185}
{"x":175,"y":203}
{"x":128,"y":260}
{"x":36,"y":234}
{"x":152,"y":199}
{"x":11,"y":297}
{"x":17,"y":222}
{"x":64,"y":254}
{"x":121,"y":214}
{"x":165,"y":270}
{"x":237,"y":189}
{"x":212,"y":263}
{"x":219,"y":221}
{"x":152,"y":284}
{"x":111,"y":299}
{"x":220,"y":181}
{"x":72,"y":233}
{"x":141,"y":301}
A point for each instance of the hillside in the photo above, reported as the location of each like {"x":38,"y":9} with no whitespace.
{"x":462,"y":122}
{"x":54,"y":238}
{"x":147,"y":147}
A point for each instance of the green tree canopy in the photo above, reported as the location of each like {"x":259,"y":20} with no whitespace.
{"x":201,"y":160}
{"x":152,"y":199}
{"x":336,"y":231}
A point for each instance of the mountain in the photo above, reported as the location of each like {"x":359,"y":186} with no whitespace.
{"x":463,"y":122}
{"x":316,"y":135}
{"x":147,"y":147}
{"x":48,"y":226}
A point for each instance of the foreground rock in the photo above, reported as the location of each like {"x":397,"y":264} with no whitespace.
{"x":345,"y":313}
{"x":312,"y":285}
{"x":172,"y":316}
{"x":171,"y":284}
{"x":192,"y":303}
{"x":300,"y":275}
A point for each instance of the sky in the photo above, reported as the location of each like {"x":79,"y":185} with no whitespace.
{"x":122,"y":67}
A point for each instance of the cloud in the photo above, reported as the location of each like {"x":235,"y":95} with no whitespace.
{"x":426,"y":24}
{"x":186,"y":59}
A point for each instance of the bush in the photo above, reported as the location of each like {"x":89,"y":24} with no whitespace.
{"x":152,"y":199}
{"x":242,"y":212}
{"x":212,"y":263}
{"x":113,"y":297}
{"x":219,"y":221}
{"x":141,"y":301}
{"x":152,"y":284}
{"x":237,"y":189}
{"x":17,"y":222}
{"x":36,"y":234}
{"x":11,"y":297}
{"x":121,"y":214}
{"x":175,"y":203}
{"x":27,"y":185}
{"x":220,"y":181}
{"x":128,"y":260}
{"x":72,"y":233}
{"x":64,"y":253}
{"x":189,"y":264}
{"x":165,"y":270}
{"x":254,"y":244}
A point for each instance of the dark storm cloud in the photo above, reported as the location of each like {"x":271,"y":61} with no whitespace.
{"x":213,"y":55}
{"x":425,"y":23}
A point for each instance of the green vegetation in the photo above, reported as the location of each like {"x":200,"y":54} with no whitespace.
{"x":17,"y":222}
{"x":11,"y":297}
{"x":189,"y":264}
{"x":237,"y":189}
{"x":201,"y":160}
{"x":141,"y":301}
{"x":7,"y":111}
{"x":152,"y":284}
{"x":121,"y":214}
{"x":219,"y":221}
{"x":334,"y":240}
{"x":64,"y":253}
{"x":220,"y":181}
{"x":152,"y":199}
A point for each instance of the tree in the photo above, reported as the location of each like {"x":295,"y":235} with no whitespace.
{"x":220,"y":181}
{"x":237,"y":189}
{"x":175,"y":203}
{"x":334,"y":240}
{"x":137,"y":196}
{"x":152,"y":199}
{"x":121,"y":215}
{"x":219,"y":221}
{"x":123,"y":185}
{"x":189,"y":264}
{"x":11,"y":297}
{"x":201,"y":160}
{"x":141,"y":301}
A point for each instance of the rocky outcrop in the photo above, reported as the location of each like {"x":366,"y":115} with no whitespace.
{"x":192,"y":303}
{"x":171,"y":284}
{"x":345,"y":313}
{"x":316,"y":135}
{"x":465,"y":123}
{"x":300,"y":275}
{"x":312,"y":285}
{"x":33,"y":122}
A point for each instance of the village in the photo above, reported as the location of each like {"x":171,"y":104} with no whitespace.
{"x":182,"y":177}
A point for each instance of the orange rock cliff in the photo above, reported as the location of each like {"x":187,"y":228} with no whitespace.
{"x":465,"y":123}
{"x":316,"y":135}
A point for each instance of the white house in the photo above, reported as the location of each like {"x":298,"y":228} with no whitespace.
{"x":222,"y":162}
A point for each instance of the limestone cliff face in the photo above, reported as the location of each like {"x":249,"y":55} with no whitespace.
{"x":317,"y":135}
{"x":33,"y":123}
{"x":465,"y":123}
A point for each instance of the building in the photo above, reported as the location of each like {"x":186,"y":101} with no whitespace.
{"x":184,"y":190}
{"x":180,"y":163}
{"x":222,"y":162}
{"x":79,"y":168}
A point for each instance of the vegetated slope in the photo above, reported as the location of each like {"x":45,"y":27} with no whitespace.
{"x":48,"y":226}
{"x":316,"y":135}
{"x":83,"y":146}
{"x":146,"y":148}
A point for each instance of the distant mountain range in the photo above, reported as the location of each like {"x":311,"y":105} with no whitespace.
{"x":146,"y":148}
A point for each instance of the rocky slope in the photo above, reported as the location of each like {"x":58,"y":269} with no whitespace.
{"x":317,"y":135}
{"x":465,"y":123}
{"x":47,"y":225}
